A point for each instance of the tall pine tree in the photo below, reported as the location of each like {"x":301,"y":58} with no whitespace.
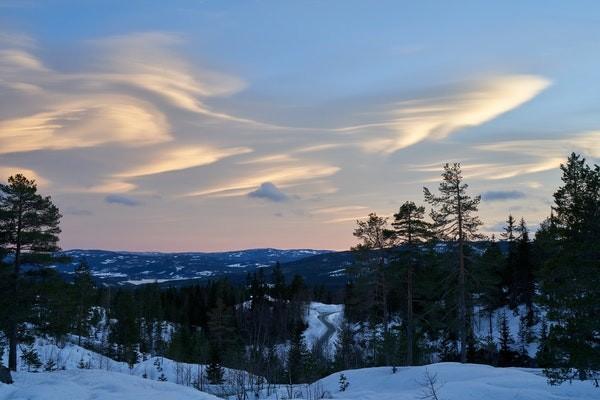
{"x":411,"y":230}
{"x":455,"y":221}
{"x":29,"y":229}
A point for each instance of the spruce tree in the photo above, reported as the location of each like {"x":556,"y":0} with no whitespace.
{"x":505,"y":353}
{"x":488,"y":282}
{"x":29,"y":224}
{"x":570,"y":278}
{"x":455,"y":221}
{"x":524,"y":274}
{"x":214,"y":370}
{"x":84,"y":296}
{"x":510,"y":235}
{"x":345,"y":353}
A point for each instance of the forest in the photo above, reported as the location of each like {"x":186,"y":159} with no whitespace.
{"x":425,"y":286}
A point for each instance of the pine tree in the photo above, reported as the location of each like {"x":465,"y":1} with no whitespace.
{"x":488,"y":282}
{"x":297,"y":358}
{"x":570,"y":282}
{"x":375,"y":239}
{"x":505,"y":353}
{"x":29,"y":224}
{"x":524,"y":274}
{"x":455,"y":221}
{"x":509,"y":285}
{"x":214,"y":370}
{"x":30,"y":357}
{"x":345,"y":353}
{"x":411,"y":230}
{"x":543,"y":356}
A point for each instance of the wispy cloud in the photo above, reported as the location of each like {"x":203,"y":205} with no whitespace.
{"x":412,"y":121}
{"x":502,"y":195}
{"x":183,"y":158}
{"x":86,"y":123}
{"x":587,"y":143}
{"x":122,"y":200}
{"x":280,"y":176}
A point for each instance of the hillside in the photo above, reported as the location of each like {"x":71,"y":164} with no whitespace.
{"x":135,"y":268}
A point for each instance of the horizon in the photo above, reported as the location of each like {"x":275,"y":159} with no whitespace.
{"x":210,"y":126}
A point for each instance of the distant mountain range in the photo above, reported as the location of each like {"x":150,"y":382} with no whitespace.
{"x":135,"y":268}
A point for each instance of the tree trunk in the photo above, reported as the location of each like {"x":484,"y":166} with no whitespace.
{"x":5,"y":375}
{"x":12,"y":328}
{"x":462,"y":309}
{"x":409,"y":318}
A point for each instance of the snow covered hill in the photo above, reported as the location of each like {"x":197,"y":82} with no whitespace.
{"x":83,"y":384}
{"x":136,"y":268}
{"x":454,"y":382}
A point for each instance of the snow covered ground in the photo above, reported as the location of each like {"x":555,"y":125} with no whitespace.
{"x":109,"y":379}
{"x":82,"y":384}
{"x":454,"y":382}
{"x":71,"y":357}
{"x":324,"y":321}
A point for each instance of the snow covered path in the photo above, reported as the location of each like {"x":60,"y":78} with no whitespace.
{"x":324,"y":321}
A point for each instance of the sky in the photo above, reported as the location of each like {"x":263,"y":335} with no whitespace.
{"x":212,"y":125}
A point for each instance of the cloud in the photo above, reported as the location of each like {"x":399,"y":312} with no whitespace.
{"x":146,"y":61}
{"x":86,"y":123}
{"x":546,"y":155}
{"x":502,"y":195}
{"x":108,"y":186}
{"x":336,"y":210}
{"x":281,"y":176}
{"x":8,"y":171}
{"x":122,"y":200}
{"x":436,"y":117}
{"x":20,"y":59}
{"x":269,"y":191}
{"x":77,"y":211}
{"x":183,"y":158}
{"x":587,"y":142}
{"x":114,"y":99}
{"x":495,"y":171}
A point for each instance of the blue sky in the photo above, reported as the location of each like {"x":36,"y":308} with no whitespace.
{"x":207,"y":125}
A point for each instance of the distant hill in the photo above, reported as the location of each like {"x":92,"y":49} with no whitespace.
{"x":176,"y":269}
{"x":134,"y":268}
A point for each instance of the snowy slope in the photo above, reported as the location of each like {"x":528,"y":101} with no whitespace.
{"x":455,"y":382}
{"x":73,"y":357}
{"x":93,"y":384}
{"x":324,"y":322}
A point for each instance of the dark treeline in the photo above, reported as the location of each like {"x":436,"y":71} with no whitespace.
{"x":425,"y":286}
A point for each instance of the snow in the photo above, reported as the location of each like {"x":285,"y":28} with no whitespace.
{"x":317,"y":331}
{"x":455,"y":382}
{"x":481,"y":326}
{"x":94,"y":384}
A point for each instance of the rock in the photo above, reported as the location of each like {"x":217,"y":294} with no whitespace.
{"x":5,"y":375}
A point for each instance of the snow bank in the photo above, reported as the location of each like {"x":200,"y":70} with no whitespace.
{"x":455,"y":382}
{"x":73,"y":357}
{"x":93,"y":384}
